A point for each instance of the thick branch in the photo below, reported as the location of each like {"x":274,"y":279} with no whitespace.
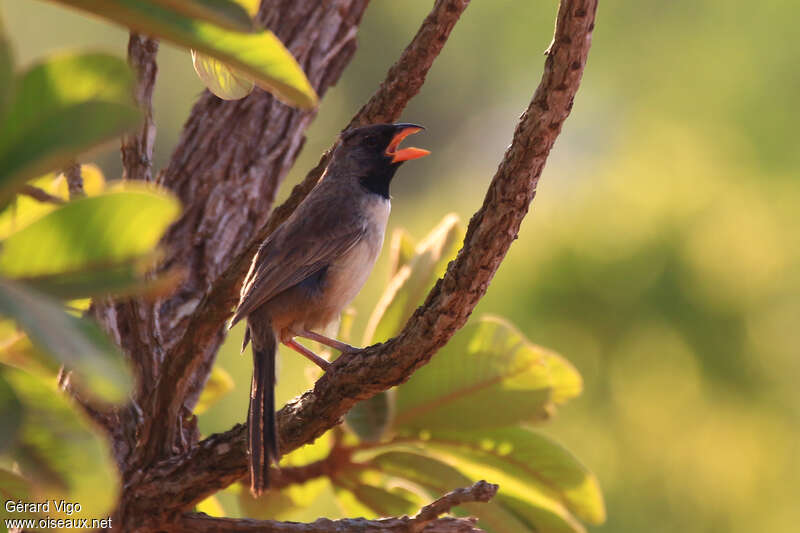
{"x":204,"y":331}
{"x":220,"y":459}
{"x":137,"y":149}
{"x":425,"y":521}
{"x":230,"y":160}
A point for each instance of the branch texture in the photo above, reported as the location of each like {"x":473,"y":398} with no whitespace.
{"x":189,"y":359}
{"x":221,"y":459}
{"x":426,"y":520}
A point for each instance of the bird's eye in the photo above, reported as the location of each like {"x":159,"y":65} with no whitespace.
{"x":372,"y":142}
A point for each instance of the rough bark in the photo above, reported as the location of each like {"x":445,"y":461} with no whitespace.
{"x":231,"y":158}
{"x":221,"y":459}
{"x":427,"y":520}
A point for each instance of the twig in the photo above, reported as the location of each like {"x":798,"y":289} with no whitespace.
{"x":402,"y":83}
{"x":359,"y":375}
{"x":426,"y":520}
{"x":200,"y":523}
{"x":39,"y":195}
{"x":137,"y":149}
{"x":72,"y":174}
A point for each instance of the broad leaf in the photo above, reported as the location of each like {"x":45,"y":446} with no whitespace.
{"x":371,"y":490}
{"x":59,"y":452}
{"x":487,"y":376}
{"x":121,"y":278}
{"x":413,"y":279}
{"x":226,"y":13}
{"x":259,"y":55}
{"x":109,"y":228}
{"x":77,"y":343}
{"x":221,"y":79}
{"x":61,"y":108}
{"x":533,"y":460}
{"x":24,"y":209}
{"x":438,"y":478}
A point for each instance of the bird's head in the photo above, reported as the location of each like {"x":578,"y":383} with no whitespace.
{"x":372,"y":154}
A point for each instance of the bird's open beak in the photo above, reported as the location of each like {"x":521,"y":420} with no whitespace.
{"x":406,"y":154}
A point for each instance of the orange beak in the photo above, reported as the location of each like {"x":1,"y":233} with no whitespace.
{"x":406,"y":154}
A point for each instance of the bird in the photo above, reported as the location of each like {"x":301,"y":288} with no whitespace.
{"x":312,"y":266}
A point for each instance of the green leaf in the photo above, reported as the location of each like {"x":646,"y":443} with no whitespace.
{"x":108,"y":228}
{"x":11,"y":414}
{"x":488,"y":375}
{"x":221,"y":79}
{"x":58,"y":450}
{"x":226,"y":13}
{"x":77,"y":343}
{"x":219,"y":384}
{"x":259,"y":55}
{"x":370,"y":419}
{"x":438,"y":478}
{"x":61,"y":108}
{"x":533,"y":460}
{"x":414,"y":278}
{"x":120,"y":278}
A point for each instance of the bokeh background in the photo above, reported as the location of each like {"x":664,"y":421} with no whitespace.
{"x":661,"y":256}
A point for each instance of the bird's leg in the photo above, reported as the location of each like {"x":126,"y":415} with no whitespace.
{"x":302,"y":350}
{"x":327,"y":341}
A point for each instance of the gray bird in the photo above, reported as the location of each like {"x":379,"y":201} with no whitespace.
{"x":313,"y":265}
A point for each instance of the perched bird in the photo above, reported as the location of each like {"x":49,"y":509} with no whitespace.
{"x":313,"y":265}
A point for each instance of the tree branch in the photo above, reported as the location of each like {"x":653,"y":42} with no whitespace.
{"x":204,"y":331}
{"x":226,"y":169}
{"x":221,"y":459}
{"x":39,"y":195}
{"x":137,"y":149}
{"x":425,"y":521}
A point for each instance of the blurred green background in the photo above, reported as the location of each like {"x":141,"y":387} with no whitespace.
{"x":662,"y":253}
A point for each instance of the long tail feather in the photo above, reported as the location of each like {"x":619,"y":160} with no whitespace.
{"x":262,"y":424}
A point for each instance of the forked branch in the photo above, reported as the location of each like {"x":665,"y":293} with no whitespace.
{"x":221,"y":459}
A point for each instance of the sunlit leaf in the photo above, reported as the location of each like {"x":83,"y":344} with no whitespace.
{"x":211,"y":506}
{"x":62,"y":107}
{"x":381,"y":501}
{"x":219,"y":384}
{"x":410,"y":284}
{"x":259,"y":55}
{"x":438,"y":478}
{"x":59,"y":452}
{"x":226,"y":13}
{"x":121,"y":278}
{"x":11,"y":414}
{"x":75,"y":342}
{"x":221,"y":79}
{"x":532,"y":459}
{"x":488,"y":375}
{"x":111,"y":227}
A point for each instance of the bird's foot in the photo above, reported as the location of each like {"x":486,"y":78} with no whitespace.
{"x":299,"y":348}
{"x":327,"y":341}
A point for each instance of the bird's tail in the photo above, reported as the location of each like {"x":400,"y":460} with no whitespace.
{"x":261,"y":421}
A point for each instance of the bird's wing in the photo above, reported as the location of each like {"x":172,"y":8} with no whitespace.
{"x":299,"y":248}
